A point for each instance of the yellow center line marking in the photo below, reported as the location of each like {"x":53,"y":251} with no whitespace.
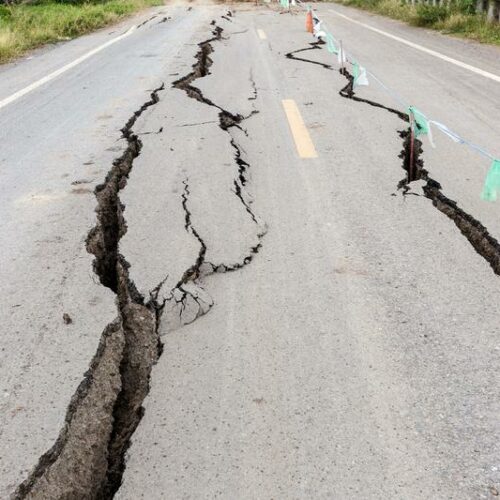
{"x":303,"y":142}
{"x":262,"y":34}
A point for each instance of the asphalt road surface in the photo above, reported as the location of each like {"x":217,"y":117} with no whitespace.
{"x":213,"y":286}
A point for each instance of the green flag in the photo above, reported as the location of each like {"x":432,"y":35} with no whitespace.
{"x":330,"y":44}
{"x":422,"y":125}
{"x":492,"y":182}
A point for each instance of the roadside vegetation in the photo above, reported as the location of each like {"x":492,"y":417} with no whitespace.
{"x":24,"y":26}
{"x":477,"y":20}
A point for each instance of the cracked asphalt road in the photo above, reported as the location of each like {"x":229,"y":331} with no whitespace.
{"x":233,"y":320}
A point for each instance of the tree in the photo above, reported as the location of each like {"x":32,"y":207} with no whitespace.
{"x":493,"y":11}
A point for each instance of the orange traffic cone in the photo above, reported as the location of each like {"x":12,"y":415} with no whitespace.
{"x":309,"y":22}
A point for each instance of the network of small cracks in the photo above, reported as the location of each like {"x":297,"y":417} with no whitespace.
{"x":477,"y":234}
{"x":182,"y":295}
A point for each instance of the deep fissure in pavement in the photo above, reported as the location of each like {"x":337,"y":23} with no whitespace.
{"x":188,"y":297}
{"x":87,"y":460}
{"x":478,"y":235}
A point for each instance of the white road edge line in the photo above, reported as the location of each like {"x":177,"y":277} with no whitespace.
{"x":60,"y":71}
{"x":416,"y":46}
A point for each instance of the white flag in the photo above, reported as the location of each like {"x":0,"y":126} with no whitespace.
{"x":341,"y":57}
{"x":362,"y":79}
{"x":317,"y":31}
{"x":316,"y":28}
{"x":429,"y":135}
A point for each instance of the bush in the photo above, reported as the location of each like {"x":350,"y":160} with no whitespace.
{"x":396,"y":9}
{"x":429,"y":15}
{"x":464,"y":6}
{"x":363,"y":4}
{"x":5,"y":13}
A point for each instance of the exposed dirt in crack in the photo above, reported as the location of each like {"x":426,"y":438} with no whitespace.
{"x":188,"y":301}
{"x":140,"y":353}
{"x":76,"y":465}
{"x":103,"y":239}
{"x":479,"y":237}
{"x":87,"y":460}
{"x":477,"y":234}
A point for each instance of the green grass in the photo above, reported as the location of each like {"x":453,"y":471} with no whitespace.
{"x":26,"y":26}
{"x":458,"y":21}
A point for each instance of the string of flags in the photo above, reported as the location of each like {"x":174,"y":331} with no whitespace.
{"x":419,"y":123}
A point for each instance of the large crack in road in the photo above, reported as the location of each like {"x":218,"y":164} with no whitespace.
{"x":476,"y":233}
{"x":88,"y":458}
